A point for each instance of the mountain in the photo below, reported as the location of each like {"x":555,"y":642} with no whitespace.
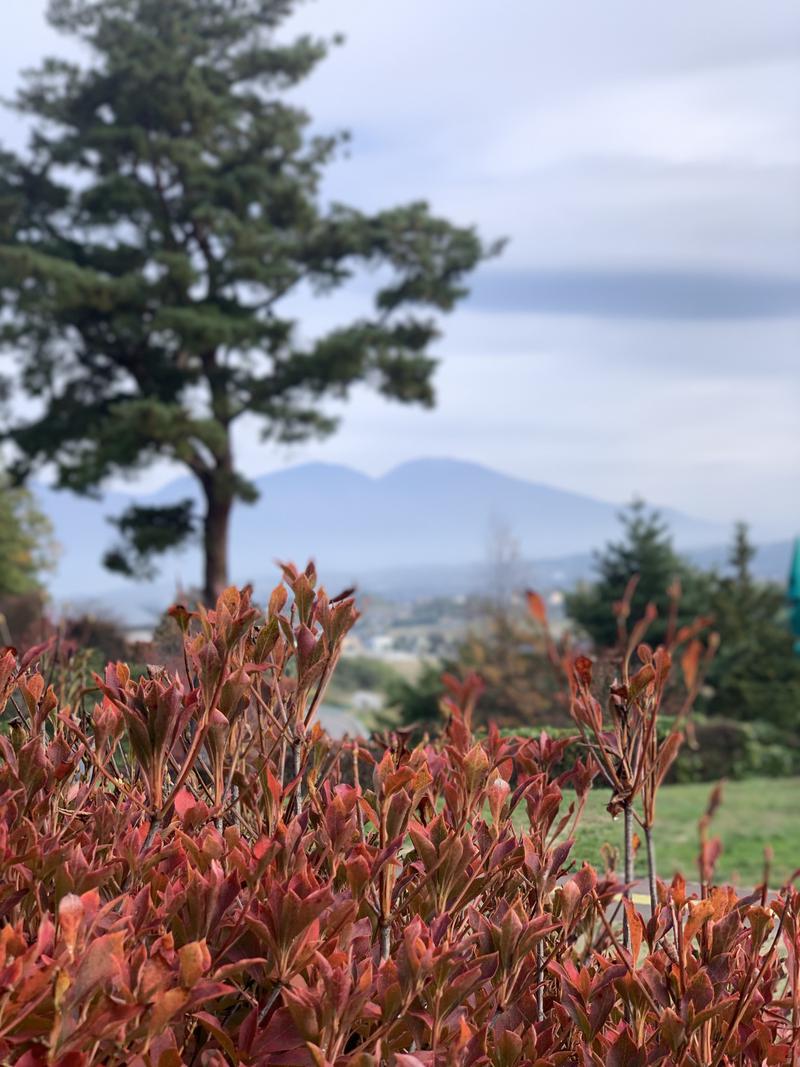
{"x":424,"y":516}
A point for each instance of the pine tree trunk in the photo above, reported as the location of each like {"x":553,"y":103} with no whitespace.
{"x":215,"y":537}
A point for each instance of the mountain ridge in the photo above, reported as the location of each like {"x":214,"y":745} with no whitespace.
{"x":433,"y":511}
{"x":186,"y":485}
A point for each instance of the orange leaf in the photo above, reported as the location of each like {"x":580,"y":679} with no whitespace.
{"x":165,"y":1007}
{"x":636,"y":928}
{"x":195,"y":960}
{"x":690,"y":663}
{"x":100,"y":964}
{"x":536,"y":606}
{"x":699,"y":911}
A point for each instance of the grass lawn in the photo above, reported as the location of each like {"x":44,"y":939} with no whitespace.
{"x":754,"y":813}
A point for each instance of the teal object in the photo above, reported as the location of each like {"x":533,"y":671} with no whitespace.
{"x":793,"y":594}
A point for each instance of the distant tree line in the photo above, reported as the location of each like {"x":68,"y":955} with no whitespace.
{"x":753,"y":678}
{"x":755,"y":675}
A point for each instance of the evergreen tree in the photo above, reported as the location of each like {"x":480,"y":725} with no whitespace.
{"x":166,"y":212}
{"x":755,"y":675}
{"x":646,"y":552}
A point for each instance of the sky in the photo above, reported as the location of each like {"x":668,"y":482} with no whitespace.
{"x":641,"y":332}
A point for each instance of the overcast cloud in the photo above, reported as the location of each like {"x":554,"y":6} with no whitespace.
{"x":641,"y":333}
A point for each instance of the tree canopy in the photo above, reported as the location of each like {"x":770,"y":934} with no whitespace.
{"x":166,"y":214}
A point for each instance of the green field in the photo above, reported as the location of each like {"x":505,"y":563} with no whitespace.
{"x":754,"y":813}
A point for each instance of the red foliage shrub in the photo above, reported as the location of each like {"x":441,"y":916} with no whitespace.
{"x":193,"y":873}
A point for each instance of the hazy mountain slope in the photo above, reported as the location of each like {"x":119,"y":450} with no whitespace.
{"x":425,"y":514}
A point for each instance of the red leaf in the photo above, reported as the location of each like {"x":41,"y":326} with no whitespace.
{"x":583,"y":670}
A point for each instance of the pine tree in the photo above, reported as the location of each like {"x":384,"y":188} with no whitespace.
{"x":647,"y":553}
{"x":152,"y":237}
{"x":755,"y":675}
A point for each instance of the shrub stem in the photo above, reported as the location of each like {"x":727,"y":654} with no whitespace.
{"x":540,"y":982}
{"x":628,"y":822}
{"x":385,"y":938}
{"x":651,"y":867}
{"x":297,"y":763}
